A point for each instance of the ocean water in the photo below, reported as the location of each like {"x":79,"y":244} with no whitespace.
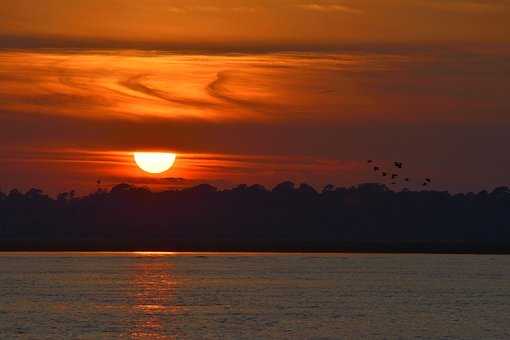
{"x":253,"y":296}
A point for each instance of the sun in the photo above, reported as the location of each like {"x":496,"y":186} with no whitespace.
{"x":154,"y":162}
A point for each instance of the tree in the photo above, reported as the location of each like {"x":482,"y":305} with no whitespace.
{"x":34,"y":194}
{"x":306,"y":189}
{"x":286,"y":187}
{"x":328,"y":188}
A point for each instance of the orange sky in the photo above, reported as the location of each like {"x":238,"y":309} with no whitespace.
{"x":253,"y":91}
{"x":261,"y":21}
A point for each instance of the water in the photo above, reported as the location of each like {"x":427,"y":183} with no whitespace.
{"x":250,"y":296}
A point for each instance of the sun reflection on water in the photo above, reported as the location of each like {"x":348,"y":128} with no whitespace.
{"x":155,"y":253}
{"x":153,"y":288}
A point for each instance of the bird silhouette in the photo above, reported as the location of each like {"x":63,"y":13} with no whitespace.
{"x":376,"y":168}
{"x":384,"y":174}
{"x":369,"y":161}
{"x":425,"y":184}
{"x":428,"y":180}
{"x":398,"y":164}
{"x":407,"y":179}
{"x":393,"y":176}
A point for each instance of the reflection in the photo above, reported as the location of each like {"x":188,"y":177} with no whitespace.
{"x":153,"y":292}
{"x":154,"y":253}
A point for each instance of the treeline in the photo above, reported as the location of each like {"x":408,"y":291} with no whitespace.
{"x":367,"y":217}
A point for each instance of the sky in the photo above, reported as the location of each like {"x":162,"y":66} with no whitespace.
{"x":254,"y":92}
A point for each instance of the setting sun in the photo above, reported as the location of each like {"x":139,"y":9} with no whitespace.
{"x":154,"y":162}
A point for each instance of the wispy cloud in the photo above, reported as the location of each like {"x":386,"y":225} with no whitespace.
{"x":329,"y":8}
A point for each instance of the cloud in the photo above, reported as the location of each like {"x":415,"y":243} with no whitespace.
{"x":219,"y":88}
{"x":135,"y":83}
{"x":329,"y":8}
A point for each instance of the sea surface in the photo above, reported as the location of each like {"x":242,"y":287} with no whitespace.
{"x":253,"y":296}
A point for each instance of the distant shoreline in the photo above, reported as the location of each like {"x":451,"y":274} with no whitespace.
{"x":368,"y":218}
{"x":255,"y":247}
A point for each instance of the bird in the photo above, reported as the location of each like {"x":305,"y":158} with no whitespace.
{"x":428,"y":180}
{"x":376,"y":168}
{"x":384,"y":174}
{"x":393,"y":176}
{"x":398,"y":164}
{"x":424,"y":184}
{"x":369,"y":161}
{"x":407,"y":179}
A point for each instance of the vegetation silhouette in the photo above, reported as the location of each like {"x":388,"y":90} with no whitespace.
{"x":367,"y":217}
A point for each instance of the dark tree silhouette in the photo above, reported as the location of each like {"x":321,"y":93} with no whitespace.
{"x":367,"y":217}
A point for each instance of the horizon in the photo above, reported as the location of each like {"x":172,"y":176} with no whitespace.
{"x":178,"y":184}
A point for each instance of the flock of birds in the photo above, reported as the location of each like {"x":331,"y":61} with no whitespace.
{"x":393,"y":176}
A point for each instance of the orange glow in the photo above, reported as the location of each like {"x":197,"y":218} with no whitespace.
{"x":154,"y":162}
{"x":254,"y":22}
{"x":242,"y":118}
